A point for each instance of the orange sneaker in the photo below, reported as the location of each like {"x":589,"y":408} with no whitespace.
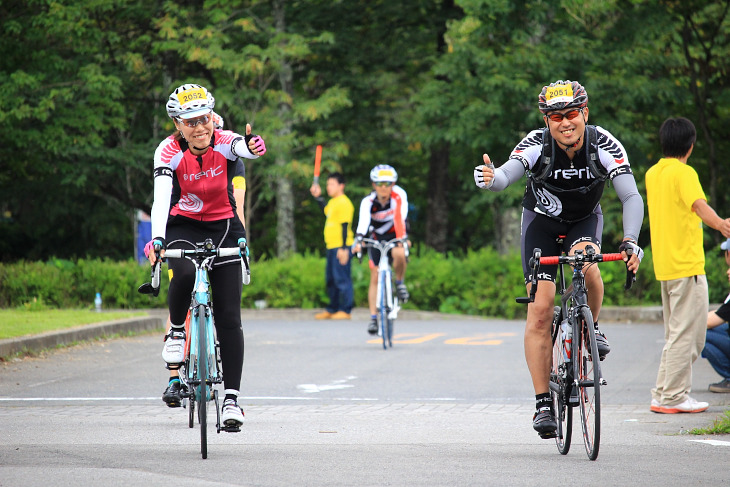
{"x":324,"y":315}
{"x":340,"y":315}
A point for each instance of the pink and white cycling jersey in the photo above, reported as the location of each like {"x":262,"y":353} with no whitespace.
{"x":197,"y":187}
{"x":390,"y":218}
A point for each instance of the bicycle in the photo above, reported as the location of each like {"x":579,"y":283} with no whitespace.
{"x":575,"y":377}
{"x":200,"y":370}
{"x":388,"y":304}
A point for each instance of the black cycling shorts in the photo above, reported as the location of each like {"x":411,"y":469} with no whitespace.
{"x":374,"y":254}
{"x":543,"y":232}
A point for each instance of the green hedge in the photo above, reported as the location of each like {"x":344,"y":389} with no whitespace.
{"x":479,"y":283}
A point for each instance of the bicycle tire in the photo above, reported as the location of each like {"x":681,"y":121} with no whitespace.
{"x":384,"y":310}
{"x":559,"y":388}
{"x":391,"y":325}
{"x":202,"y":376}
{"x":590,"y":385}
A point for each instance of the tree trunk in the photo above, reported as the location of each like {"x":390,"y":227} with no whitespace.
{"x":507,"y":229}
{"x":286,"y":241}
{"x":437,"y":214}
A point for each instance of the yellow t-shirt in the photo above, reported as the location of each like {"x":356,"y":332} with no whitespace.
{"x":339,"y":210}
{"x":672,"y":187}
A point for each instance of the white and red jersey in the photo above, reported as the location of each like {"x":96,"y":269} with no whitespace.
{"x":197,"y":187}
{"x":384,"y":219}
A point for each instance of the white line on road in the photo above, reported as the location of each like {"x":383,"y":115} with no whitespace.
{"x":713,"y":442}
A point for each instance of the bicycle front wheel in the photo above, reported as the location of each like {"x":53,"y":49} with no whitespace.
{"x":384,"y":308}
{"x":560,"y":379}
{"x":203,"y":368}
{"x":589,"y":381}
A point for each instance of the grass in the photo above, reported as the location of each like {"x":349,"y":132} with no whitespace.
{"x":20,"y":321}
{"x":721,"y":426}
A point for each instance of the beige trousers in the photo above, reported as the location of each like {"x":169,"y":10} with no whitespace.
{"x":685,"y":304}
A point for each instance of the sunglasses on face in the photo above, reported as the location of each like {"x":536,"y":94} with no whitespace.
{"x":383,"y":183}
{"x":194,"y":122}
{"x":570,"y":115}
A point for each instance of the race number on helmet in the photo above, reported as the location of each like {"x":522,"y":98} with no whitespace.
{"x":562,"y":94}
{"x":189,"y":101}
{"x":383,"y":173}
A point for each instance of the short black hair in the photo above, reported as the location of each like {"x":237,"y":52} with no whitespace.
{"x":338,"y":177}
{"x":676,"y":136}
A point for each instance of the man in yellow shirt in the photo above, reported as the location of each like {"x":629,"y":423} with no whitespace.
{"x":677,"y":209}
{"x":338,"y":239}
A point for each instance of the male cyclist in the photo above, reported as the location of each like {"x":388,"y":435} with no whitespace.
{"x":383,"y":214}
{"x":566,"y":165}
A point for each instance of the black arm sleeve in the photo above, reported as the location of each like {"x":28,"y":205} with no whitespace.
{"x":320,"y":202}
{"x":344,"y":235}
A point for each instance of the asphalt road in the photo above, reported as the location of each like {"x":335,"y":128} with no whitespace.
{"x":450,"y":404}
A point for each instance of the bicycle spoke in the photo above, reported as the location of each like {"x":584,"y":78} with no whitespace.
{"x":558,"y":393}
{"x":590,"y":387}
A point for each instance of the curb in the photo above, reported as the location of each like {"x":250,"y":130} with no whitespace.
{"x":157,"y":318}
{"x":52,"y":339}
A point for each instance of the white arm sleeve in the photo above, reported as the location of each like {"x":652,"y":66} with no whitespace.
{"x":161,"y":205}
{"x":364,"y":218}
{"x":239,"y":148}
{"x":506,"y":174}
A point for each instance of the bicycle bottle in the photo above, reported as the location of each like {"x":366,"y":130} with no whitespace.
{"x":567,"y":335}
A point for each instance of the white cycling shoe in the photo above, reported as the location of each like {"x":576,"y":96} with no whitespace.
{"x":174,"y":350}
{"x":231,"y":414}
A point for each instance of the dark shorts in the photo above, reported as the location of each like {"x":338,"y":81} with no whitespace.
{"x":543,"y":232}
{"x":184,"y":233}
{"x":374,"y":254}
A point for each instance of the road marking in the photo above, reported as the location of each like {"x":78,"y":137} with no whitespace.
{"x":401,"y":338}
{"x":332,"y":386}
{"x":713,"y":442}
{"x":487,"y":339}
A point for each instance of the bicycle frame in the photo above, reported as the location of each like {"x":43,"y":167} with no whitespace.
{"x":575,"y":368}
{"x":200,"y":370}
{"x":387,"y":304}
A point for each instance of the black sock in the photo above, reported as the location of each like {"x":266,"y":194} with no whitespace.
{"x":543,"y":401}
{"x":174,"y":379}
{"x":233,"y":397}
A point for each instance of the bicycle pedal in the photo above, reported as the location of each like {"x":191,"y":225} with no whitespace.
{"x":231,"y":429}
{"x":548,"y":435}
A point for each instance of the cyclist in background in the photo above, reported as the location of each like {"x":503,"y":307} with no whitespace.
{"x":383,"y":216}
{"x":172,"y":394}
{"x":566,"y":165}
{"x":193,"y":200}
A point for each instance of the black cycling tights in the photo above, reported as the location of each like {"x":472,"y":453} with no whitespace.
{"x":226,"y":287}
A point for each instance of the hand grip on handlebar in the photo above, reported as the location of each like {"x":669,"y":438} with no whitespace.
{"x":630,"y":275}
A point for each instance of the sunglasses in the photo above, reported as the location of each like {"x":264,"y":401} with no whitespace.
{"x":383,"y":183}
{"x":194,"y":122}
{"x":570,"y":115}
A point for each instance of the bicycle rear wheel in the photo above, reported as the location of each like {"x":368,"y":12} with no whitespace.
{"x":590,"y":384}
{"x":202,"y":395}
{"x":559,"y":382}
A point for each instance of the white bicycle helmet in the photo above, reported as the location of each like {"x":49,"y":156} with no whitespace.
{"x":189,"y":101}
{"x":383,"y":173}
{"x":218,"y":121}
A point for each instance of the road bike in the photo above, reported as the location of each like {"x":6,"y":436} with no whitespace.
{"x":575,"y":377}
{"x":388,"y":304}
{"x":200,"y":370}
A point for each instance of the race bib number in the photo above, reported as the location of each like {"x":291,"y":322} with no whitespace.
{"x":559,"y":94}
{"x":189,"y":96}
